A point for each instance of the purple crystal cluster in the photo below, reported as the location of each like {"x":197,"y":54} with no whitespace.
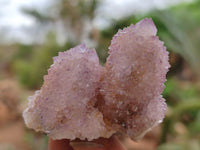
{"x":81,"y":99}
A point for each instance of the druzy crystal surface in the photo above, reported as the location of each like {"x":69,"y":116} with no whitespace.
{"x":81,"y":99}
{"x":64,"y":107}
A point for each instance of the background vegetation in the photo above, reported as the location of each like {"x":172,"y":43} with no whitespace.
{"x":22,"y":67}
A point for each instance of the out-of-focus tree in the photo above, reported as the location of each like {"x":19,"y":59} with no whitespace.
{"x":77,"y":16}
{"x":71,"y":17}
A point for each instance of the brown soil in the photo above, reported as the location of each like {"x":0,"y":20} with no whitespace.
{"x":12,"y":135}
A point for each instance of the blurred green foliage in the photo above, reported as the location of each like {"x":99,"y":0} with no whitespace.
{"x":37,"y":142}
{"x":194,"y":145}
{"x":176,"y":91}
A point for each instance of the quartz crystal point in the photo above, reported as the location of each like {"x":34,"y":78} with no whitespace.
{"x":81,"y":99}
{"x":134,"y":80}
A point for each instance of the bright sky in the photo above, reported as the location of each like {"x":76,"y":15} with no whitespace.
{"x":13,"y":22}
{"x":11,"y":15}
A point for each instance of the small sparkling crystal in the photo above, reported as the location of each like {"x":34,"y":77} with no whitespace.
{"x":81,"y":99}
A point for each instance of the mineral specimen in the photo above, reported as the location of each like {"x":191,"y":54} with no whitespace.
{"x":81,"y":99}
{"x":64,"y":107}
{"x":133,"y":80}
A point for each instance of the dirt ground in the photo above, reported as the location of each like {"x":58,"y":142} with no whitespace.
{"x":12,"y":137}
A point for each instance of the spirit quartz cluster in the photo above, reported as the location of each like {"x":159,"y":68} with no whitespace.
{"x":81,"y":99}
